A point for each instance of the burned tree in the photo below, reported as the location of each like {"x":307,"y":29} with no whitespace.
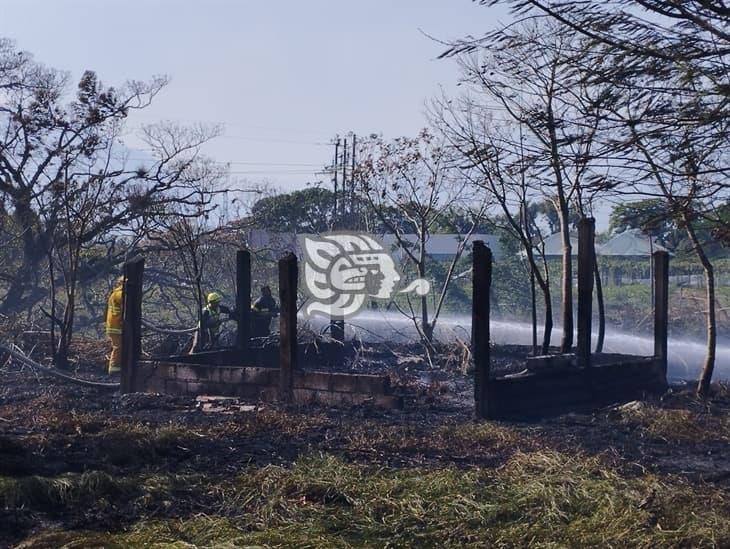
{"x":545,"y":120}
{"x":495,"y":152}
{"x":66,"y":180}
{"x":411,"y":184}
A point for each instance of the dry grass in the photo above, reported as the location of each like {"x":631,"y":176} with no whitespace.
{"x":543,"y":499}
{"x":455,"y":442}
{"x":185,"y":479}
{"x":678,"y":425}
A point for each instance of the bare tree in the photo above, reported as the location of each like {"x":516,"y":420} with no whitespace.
{"x":99,"y":200}
{"x":692,"y":35}
{"x":411,"y":185}
{"x":188,"y":228}
{"x":531,"y":76}
{"x":41,"y":140}
{"x":494,"y":153}
{"x":667,"y":61}
{"x":65,"y":175}
{"x":686,"y":167}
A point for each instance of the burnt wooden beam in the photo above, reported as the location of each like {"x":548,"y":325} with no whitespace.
{"x":288,"y":272}
{"x":243,"y":299}
{"x":586,"y":260}
{"x":481,"y":284}
{"x":132,"y":322}
{"x":661,"y":307}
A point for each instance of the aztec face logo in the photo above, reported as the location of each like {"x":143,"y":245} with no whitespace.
{"x":343,"y":270}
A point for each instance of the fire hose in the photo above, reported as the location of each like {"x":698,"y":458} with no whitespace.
{"x":20,"y":357}
{"x":167,"y":331}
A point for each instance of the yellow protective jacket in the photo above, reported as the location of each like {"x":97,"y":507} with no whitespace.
{"x":114,"y":312}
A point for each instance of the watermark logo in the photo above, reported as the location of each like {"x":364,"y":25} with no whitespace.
{"x":343,"y":270}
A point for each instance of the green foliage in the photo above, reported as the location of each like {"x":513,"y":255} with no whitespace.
{"x":651,"y":215}
{"x":511,"y":288}
{"x":655,"y":218}
{"x":307,"y":211}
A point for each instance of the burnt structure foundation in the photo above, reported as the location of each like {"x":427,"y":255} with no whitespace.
{"x":582,"y":380}
{"x":253,"y":369}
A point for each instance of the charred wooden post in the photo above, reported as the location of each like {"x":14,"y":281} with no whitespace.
{"x":337,"y":328}
{"x":243,"y":299}
{"x":132,"y":322}
{"x":661,"y":307}
{"x":288,"y":271}
{"x":586,"y":259}
{"x":481,"y":284}
{"x":337,"y":332}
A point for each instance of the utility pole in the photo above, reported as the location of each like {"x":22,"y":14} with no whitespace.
{"x":345,"y":192}
{"x":344,"y":214}
{"x":354,"y":207}
{"x":335,"y":213}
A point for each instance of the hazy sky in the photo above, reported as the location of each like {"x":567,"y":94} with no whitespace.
{"x":283,"y":76}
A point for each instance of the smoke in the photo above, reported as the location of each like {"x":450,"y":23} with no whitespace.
{"x":684,"y":361}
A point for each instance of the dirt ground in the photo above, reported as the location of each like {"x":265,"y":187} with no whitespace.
{"x":80,"y":460}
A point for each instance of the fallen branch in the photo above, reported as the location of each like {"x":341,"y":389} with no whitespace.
{"x":20,"y":357}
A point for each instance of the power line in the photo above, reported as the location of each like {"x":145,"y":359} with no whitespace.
{"x":253,"y":163}
{"x":280,"y":172}
{"x":249,"y":163}
{"x":242,"y":125}
{"x":264,"y":140}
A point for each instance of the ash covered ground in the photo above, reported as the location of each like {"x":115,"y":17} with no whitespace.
{"x":83,"y":467}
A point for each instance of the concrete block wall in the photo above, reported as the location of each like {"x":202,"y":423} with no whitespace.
{"x":195,"y":379}
{"x":262,"y":383}
{"x":546,"y":392}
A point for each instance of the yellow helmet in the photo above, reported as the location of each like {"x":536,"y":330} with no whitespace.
{"x":214,"y":297}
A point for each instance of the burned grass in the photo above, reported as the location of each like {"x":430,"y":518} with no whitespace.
{"x":540,"y":498}
{"x":93,"y":469}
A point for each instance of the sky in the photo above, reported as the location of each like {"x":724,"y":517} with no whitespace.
{"x":282,"y":76}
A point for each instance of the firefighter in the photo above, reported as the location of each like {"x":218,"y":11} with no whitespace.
{"x":264,"y":309}
{"x":209,"y":327}
{"x":114,"y":312}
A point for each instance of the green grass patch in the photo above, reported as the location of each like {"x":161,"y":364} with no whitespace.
{"x":99,"y":491}
{"x":58,"y":493}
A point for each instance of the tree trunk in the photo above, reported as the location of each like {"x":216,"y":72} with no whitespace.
{"x":544,"y":283}
{"x":601,"y":309}
{"x":60,"y":358}
{"x":51,"y":273}
{"x":564,"y":215}
{"x":567,"y":283}
{"x":706,"y":378}
{"x":426,"y":327}
{"x":67,"y":329}
{"x":34,"y":253}
{"x":548,"y":332}
{"x":703,"y":387}
{"x":533,"y":310}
